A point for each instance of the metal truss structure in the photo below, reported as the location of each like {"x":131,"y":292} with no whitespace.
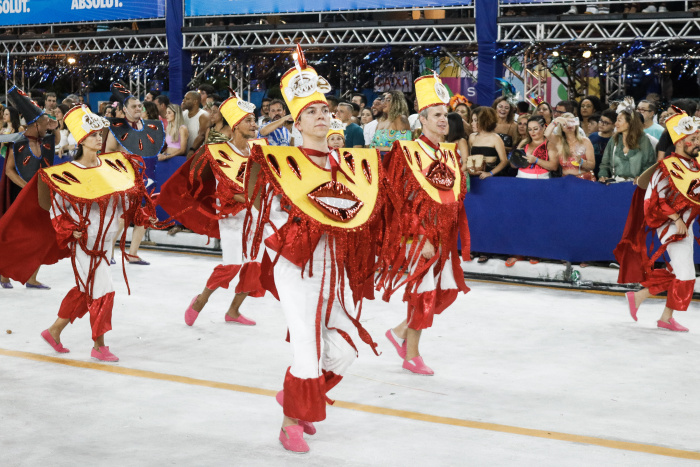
{"x":608,"y":28}
{"x":460,"y":33}
{"x":60,"y":44}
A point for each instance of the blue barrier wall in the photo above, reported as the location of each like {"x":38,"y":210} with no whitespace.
{"x":562,"y":218}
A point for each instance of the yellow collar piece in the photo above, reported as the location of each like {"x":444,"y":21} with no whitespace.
{"x":227,"y":162}
{"x":115,"y":174}
{"x":684,"y":179}
{"x":437,"y":172}
{"x":346,"y":202}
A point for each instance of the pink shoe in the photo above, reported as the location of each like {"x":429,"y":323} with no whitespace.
{"x":292,"y":438}
{"x":52,"y":342}
{"x":416,"y":365}
{"x":240,"y":320}
{"x":308,"y":427}
{"x":400,"y":349}
{"x":191,"y":314}
{"x":103,"y":354}
{"x":672,"y":325}
{"x":633,"y":307}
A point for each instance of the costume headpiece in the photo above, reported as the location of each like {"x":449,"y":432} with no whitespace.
{"x":81,"y":122}
{"x":302,"y":87}
{"x":681,"y":125}
{"x":430,"y":91}
{"x":627,"y":106}
{"x":535,"y":100}
{"x":24,"y":105}
{"x":336,"y":128}
{"x":458,"y":99}
{"x":120,"y":92}
{"x":234,"y":109}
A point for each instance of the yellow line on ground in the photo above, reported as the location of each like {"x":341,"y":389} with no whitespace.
{"x":551,"y":435}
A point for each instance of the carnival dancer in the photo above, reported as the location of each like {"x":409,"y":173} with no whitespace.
{"x":84,"y":199}
{"x":321,"y":207}
{"x":144,"y":138}
{"x":670,"y":205}
{"x":336,"y":134}
{"x":27,"y":153}
{"x":425,"y":220}
{"x":207,"y":196}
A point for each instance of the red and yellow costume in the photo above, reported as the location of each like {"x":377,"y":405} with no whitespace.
{"x":426,"y":189}
{"x":207,"y":196}
{"x":87,"y":200}
{"x":674,"y":187}
{"x":320,"y":222}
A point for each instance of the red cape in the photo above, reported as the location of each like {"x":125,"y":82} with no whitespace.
{"x":177,"y":197}
{"x":27,"y":236}
{"x":631,"y":252}
{"x":5,"y":184}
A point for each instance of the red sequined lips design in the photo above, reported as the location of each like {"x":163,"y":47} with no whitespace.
{"x":440,"y":176}
{"x":336,"y":200}
{"x":241,"y":172}
{"x":694,"y":190}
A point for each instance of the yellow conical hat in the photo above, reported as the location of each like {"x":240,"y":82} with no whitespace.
{"x":336,"y":128}
{"x":234,"y":109}
{"x":681,"y":125}
{"x":302,"y":87}
{"x":81,"y":122}
{"x":430,"y":91}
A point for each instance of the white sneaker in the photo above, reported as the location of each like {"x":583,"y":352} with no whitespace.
{"x":572,"y":11}
{"x":603,"y":10}
{"x":663,"y":9}
{"x":649,"y":9}
{"x":591,"y":10}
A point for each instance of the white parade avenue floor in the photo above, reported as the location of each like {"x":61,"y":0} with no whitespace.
{"x":525,"y":376}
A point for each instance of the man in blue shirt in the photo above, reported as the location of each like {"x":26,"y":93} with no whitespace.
{"x":599,"y":140}
{"x":354,"y":136}
{"x":276,"y":132}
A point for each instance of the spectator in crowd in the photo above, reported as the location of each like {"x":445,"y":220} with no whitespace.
{"x":264,"y":111}
{"x":10,"y":124}
{"x":599,"y":140}
{"x":335,"y":138}
{"x":365,"y":118}
{"x":332,"y":103}
{"x":592,"y":126}
{"x":276,"y":131}
{"x":522,"y":107}
{"x":564,"y":107}
{"x":109,"y":111}
{"x":535,"y":147}
{"x":665,"y":146}
{"x":218,"y":131}
{"x":457,"y":135}
{"x":629,"y":152}
{"x":377,"y":110}
{"x":354,"y":136}
{"x":589,"y":105}
{"x":150,"y":110}
{"x":487,"y":143}
{"x":71,"y":100}
{"x":50,"y":102}
{"x":355,"y":114}
{"x":413,"y":120}
{"x":464,"y":111}
{"x":359,"y":99}
{"x":648,"y":110}
{"x":522,"y":127}
{"x":151,"y":96}
{"x":176,"y":133}
{"x":197,"y":121}
{"x":206,"y":93}
{"x":506,"y":127}
{"x":395,"y":126}
{"x":162,"y":102}
{"x":545,"y":110}
{"x":66,"y":146}
{"x":569,"y":145}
